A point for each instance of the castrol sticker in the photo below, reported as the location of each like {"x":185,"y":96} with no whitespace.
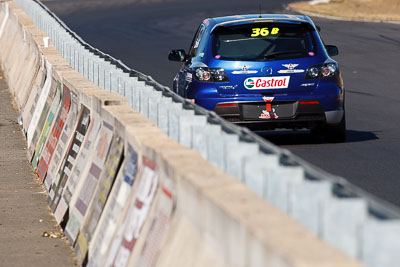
{"x":267,"y":83}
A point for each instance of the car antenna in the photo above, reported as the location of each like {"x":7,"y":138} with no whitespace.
{"x":260,"y":9}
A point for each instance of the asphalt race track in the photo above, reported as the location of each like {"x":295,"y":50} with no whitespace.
{"x":142,"y":33}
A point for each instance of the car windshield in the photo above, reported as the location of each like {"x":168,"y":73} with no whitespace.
{"x":264,"y":41}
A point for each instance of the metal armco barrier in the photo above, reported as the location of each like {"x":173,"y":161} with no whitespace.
{"x":338,"y":212}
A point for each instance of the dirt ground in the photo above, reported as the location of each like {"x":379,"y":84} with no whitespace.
{"x":29,"y":234}
{"x":381,"y":10}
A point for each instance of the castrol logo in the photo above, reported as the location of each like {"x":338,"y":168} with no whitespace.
{"x":267,"y":83}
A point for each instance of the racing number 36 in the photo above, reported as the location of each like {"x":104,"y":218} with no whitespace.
{"x":263,"y":31}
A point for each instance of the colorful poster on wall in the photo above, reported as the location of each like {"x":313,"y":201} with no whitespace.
{"x":30,"y":106}
{"x":55,"y":107}
{"x":159,"y":227}
{"x":55,"y":134}
{"x":31,"y":93}
{"x":135,"y":215}
{"x":43,"y":117}
{"x":26,"y":79}
{"x":100,"y":196}
{"x":69,"y":159}
{"x":79,"y":205}
{"x":112,"y":211}
{"x":62,"y":145}
{"x":40,"y":104}
{"x":80,"y":169}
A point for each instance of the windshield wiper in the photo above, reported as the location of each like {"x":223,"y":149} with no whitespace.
{"x":280,"y":53}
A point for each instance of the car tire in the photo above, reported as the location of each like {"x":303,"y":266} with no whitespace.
{"x":335,"y":133}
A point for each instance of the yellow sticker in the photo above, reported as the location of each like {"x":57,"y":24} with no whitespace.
{"x":264,"y":32}
{"x":107,"y":184}
{"x":103,"y":198}
{"x":83,"y":244}
{"x":275,"y":31}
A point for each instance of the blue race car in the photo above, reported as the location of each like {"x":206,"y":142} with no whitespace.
{"x":264,"y":72}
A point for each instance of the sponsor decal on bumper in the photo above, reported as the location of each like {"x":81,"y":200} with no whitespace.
{"x":259,"y":83}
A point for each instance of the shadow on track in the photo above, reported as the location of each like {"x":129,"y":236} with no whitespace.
{"x":303,"y":137}
{"x":354,"y":136}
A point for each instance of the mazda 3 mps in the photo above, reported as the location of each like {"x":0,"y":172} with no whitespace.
{"x":264,"y":72}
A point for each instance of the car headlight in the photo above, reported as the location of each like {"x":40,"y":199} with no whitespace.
{"x":203,"y":74}
{"x":322,"y":71}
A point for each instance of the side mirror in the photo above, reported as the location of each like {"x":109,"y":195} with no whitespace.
{"x":318,"y":28}
{"x":332,"y":50}
{"x":177,"y":55}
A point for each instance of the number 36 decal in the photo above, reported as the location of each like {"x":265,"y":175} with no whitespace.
{"x":264,"y":31}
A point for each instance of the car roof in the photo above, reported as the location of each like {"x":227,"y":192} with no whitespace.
{"x":220,"y":21}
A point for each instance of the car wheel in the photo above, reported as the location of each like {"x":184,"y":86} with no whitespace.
{"x":333,"y":133}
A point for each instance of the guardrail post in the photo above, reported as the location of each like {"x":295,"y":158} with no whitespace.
{"x":72,"y":55}
{"x":306,"y":206}
{"x":138,"y":86}
{"x":153,"y":103}
{"x":201,"y":135}
{"x":381,"y":243}
{"x":185,"y":128}
{"x":234,"y":157}
{"x":90,"y":69}
{"x":217,"y":148}
{"x":280,"y":185}
{"x":109,"y":71}
{"x":162,"y":113}
{"x":129,"y":87}
{"x":122,"y":84}
{"x":86,"y":56}
{"x":81,"y":60}
{"x":102,"y":73}
{"x":255,"y":168}
{"x":174,"y":121}
{"x":146,"y":96}
{"x":342,"y":219}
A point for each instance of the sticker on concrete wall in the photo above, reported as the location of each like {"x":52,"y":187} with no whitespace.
{"x":62,"y":146}
{"x":135,"y":215}
{"x":28,"y":77}
{"x":79,"y":205}
{"x":5,"y":19}
{"x":69,"y":158}
{"x":29,"y":94}
{"x":112,"y":212}
{"x":80,"y":169}
{"x":33,"y":96}
{"x":160,"y":225}
{"x":55,"y":109}
{"x":100,"y":196}
{"x":55,"y":134}
{"x":40,"y":104}
{"x":43,"y":117}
